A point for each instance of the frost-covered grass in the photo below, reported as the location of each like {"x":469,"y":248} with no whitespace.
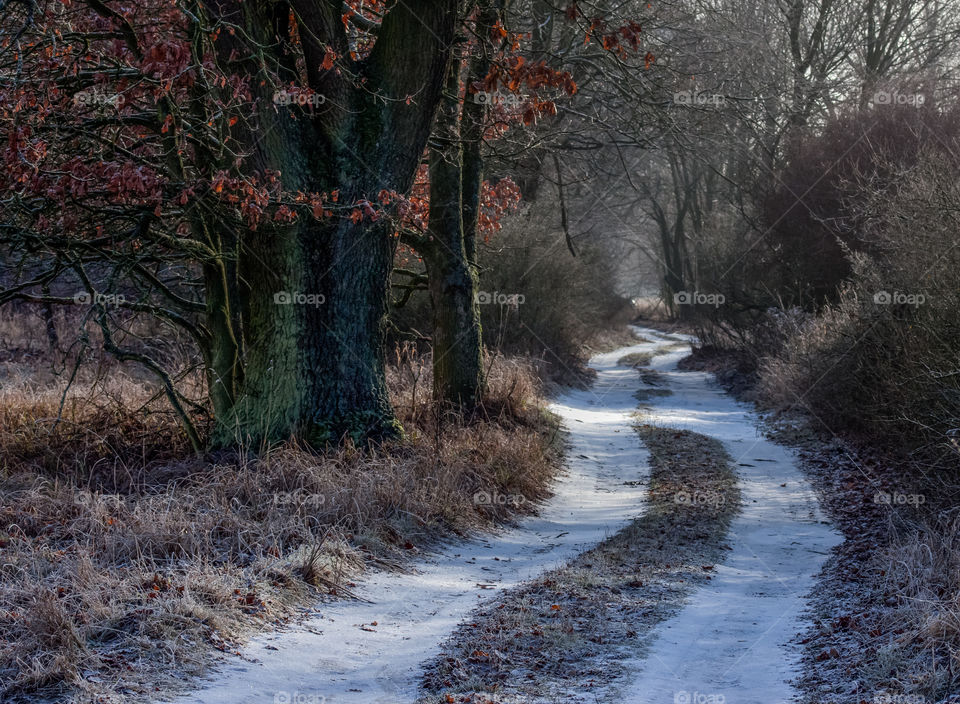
{"x":126,"y":559}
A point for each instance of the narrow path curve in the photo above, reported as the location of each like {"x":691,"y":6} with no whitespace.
{"x":331,"y":659}
{"x":731,"y":642}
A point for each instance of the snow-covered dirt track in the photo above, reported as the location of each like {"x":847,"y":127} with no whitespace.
{"x":731,"y":639}
{"x":731,"y":642}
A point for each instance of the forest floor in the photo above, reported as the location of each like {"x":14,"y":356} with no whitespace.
{"x":682,"y":555}
{"x":588,"y":578}
{"x":127,"y":564}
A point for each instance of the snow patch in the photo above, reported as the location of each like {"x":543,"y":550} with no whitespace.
{"x":340,"y":657}
{"x":732,"y":643}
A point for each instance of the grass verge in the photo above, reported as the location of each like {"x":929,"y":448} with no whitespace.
{"x":886,"y":608}
{"x":126,"y":564}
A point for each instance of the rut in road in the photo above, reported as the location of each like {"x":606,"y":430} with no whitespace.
{"x":731,"y":639}
{"x":338,"y":657}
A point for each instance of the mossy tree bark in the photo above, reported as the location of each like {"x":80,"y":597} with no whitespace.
{"x":450,"y":248}
{"x":313,"y":363}
{"x":452,"y":283}
{"x":472,"y":126}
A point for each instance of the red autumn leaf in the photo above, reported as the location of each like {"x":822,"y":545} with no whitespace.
{"x":328,"y":58}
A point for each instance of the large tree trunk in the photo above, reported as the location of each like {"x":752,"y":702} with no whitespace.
{"x":316,"y":292}
{"x":449,"y":256}
{"x":314,"y":366}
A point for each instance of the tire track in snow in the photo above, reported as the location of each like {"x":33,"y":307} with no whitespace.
{"x":732,"y":641}
{"x":330,"y":659}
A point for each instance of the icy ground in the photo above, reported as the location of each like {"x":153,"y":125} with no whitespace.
{"x":729,"y":644}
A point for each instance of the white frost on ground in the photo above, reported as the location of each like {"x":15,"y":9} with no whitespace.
{"x":730,"y":643}
{"x":331,"y":658}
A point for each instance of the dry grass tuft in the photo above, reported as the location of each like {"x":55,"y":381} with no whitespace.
{"x":918,"y":579}
{"x":124,"y":557}
{"x":925,"y":568}
{"x":636,"y":359}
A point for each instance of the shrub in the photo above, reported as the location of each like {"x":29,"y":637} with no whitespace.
{"x":885,"y":358}
{"x":808,"y":228}
{"x":536,"y":299}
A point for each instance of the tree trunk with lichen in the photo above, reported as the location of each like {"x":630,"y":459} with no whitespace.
{"x":450,"y":255}
{"x":315,"y":292}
